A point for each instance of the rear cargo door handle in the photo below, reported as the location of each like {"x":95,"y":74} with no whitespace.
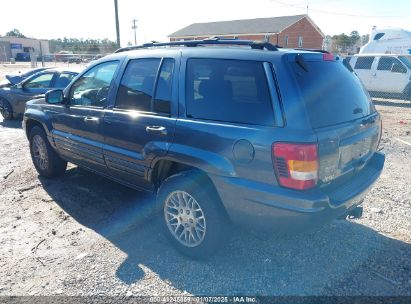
{"x":157,"y":130}
{"x":91,"y":119}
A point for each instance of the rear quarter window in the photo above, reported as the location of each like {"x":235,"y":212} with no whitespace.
{"x":228,"y":90}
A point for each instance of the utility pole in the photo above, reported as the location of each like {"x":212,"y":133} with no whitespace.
{"x":117,"y":23}
{"x":134,"y":27}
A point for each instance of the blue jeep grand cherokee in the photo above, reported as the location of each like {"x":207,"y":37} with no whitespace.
{"x":282,"y":139}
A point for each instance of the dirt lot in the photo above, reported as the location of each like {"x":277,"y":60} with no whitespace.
{"x":85,"y":235}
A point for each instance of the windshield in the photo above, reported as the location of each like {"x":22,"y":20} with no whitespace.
{"x":332,"y":94}
{"x":406,"y":61}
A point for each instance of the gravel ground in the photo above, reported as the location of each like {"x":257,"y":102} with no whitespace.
{"x":85,"y":235}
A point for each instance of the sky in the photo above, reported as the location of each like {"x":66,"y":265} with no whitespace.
{"x":47,"y":19}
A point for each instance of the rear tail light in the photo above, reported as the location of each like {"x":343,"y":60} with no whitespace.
{"x":296,"y":165}
{"x":328,"y":57}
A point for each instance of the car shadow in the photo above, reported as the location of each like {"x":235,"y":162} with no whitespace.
{"x":251,"y":263}
{"x":15,"y":124}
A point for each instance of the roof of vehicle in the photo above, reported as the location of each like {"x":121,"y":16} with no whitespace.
{"x":62,"y":70}
{"x":215,"y":46}
{"x":376,"y":55}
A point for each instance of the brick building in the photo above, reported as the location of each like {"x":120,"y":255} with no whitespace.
{"x":287,"y":31}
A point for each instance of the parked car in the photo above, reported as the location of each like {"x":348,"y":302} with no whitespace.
{"x":23,"y":56}
{"x":13,"y":99}
{"x":74,"y":59}
{"x":279,"y":140}
{"x":13,"y":79}
{"x":384,"y":75}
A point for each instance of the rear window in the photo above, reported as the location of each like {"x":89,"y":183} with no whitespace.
{"x":228,"y":90}
{"x":332,"y":94}
{"x":364,"y":63}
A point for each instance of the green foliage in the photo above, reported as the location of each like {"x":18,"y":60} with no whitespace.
{"x":15,"y":33}
{"x":347,"y":43}
{"x":82,"y":46}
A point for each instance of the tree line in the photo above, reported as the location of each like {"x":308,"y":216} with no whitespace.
{"x":343,"y":43}
{"x":79,"y":46}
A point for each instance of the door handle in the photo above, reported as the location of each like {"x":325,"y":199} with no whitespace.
{"x":157,"y":130}
{"x":91,"y":119}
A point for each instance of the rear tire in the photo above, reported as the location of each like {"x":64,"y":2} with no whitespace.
{"x":46,"y":161}
{"x":6,"y":109}
{"x":193,"y":218}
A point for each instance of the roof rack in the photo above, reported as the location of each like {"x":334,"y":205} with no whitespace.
{"x":259,"y":45}
{"x":313,"y":50}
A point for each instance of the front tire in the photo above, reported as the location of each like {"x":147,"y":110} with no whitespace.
{"x":193,"y":218}
{"x":46,"y":161}
{"x":6,"y":109}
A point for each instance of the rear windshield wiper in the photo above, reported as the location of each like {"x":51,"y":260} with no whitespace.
{"x":300,"y":61}
{"x":357,"y":111}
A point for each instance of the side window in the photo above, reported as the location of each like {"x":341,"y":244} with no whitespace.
{"x":364,"y":63}
{"x":92,"y":88}
{"x":379,"y":36}
{"x":387,"y":63}
{"x":63,"y":80}
{"x":228,"y":90}
{"x":42,"y":81}
{"x":137,"y":85}
{"x":162,"y":98}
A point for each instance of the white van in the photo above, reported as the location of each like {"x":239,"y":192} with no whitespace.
{"x":384,"y":75}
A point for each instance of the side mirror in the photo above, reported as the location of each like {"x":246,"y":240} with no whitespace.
{"x":398,"y":68}
{"x":55,"y":97}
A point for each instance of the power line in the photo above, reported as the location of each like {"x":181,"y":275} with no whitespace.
{"x":340,"y":14}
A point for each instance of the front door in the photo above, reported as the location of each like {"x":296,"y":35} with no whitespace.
{"x":36,"y":85}
{"x":141,"y":123}
{"x":390,"y":76}
{"x":78,"y":126}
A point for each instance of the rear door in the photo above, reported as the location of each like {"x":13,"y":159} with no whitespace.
{"x":340,"y":112}
{"x":364,"y":69}
{"x":140,"y":124}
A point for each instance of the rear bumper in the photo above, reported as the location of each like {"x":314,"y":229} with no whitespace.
{"x":272,"y":207}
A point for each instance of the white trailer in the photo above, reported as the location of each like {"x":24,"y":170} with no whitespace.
{"x":388,"y":41}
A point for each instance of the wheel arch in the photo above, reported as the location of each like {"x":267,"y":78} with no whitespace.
{"x":164,"y":168}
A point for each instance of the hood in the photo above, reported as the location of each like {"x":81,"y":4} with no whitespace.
{"x":38,"y":100}
{"x":5,"y":84}
{"x":14,"y":79}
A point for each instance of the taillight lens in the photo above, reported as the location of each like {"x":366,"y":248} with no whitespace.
{"x":328,"y":57}
{"x":296,"y":165}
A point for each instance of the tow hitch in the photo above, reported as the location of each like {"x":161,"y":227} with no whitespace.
{"x":356,"y":213}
